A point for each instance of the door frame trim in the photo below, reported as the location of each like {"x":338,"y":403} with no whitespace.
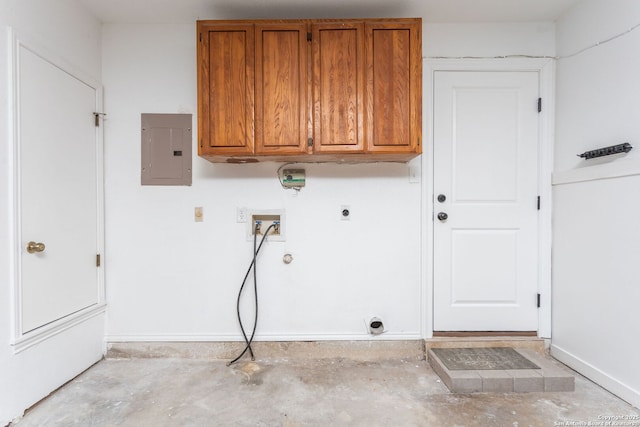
{"x":546,"y":71}
{"x":21,"y":341}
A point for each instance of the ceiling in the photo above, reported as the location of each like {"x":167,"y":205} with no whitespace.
{"x":178,"y":11}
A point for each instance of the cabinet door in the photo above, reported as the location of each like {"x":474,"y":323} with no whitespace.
{"x":394,"y":86}
{"x":225,"y":89}
{"x":281,"y":88}
{"x":338,"y":87}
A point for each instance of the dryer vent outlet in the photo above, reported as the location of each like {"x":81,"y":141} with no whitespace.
{"x":376,"y":326}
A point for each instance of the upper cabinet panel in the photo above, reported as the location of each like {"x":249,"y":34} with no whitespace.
{"x":310,"y":90}
{"x":281,"y":88}
{"x":225,"y":89}
{"x":338,"y":87}
{"x":394,"y":86}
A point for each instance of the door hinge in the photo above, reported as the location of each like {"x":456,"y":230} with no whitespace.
{"x":538,"y":202}
{"x":538,"y":301}
{"x":309,"y":36}
{"x":310,"y":142}
{"x":201,"y":37}
{"x":200,"y":143}
{"x":539,"y":105}
{"x":96,"y":118}
{"x":97,"y":260}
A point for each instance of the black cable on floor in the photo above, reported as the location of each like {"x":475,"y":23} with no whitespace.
{"x":256,"y":251}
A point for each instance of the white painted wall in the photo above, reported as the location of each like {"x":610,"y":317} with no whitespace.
{"x":596,"y":204}
{"x":488,"y":39}
{"x":66,"y":30}
{"x":169,"y":278}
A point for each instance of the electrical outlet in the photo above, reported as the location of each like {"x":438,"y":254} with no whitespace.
{"x":345,"y":213}
{"x":241,"y":214}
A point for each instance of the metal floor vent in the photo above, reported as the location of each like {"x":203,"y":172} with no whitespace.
{"x":497,"y":358}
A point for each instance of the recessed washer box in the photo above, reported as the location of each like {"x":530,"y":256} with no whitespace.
{"x":267,"y":217}
{"x":166,"y":149}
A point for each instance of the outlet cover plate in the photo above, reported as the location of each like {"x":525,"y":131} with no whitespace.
{"x":198,"y":214}
{"x":241,"y":214}
{"x":345,"y":212}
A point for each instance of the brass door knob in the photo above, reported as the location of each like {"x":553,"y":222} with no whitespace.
{"x":33,"y":247}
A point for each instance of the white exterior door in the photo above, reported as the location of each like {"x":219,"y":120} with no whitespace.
{"x":485,"y":201}
{"x":58,"y":193}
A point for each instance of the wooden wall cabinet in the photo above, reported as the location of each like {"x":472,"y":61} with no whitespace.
{"x":310,"y":90}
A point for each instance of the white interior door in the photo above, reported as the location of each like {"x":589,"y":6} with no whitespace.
{"x":58,"y":192}
{"x":486,"y":185}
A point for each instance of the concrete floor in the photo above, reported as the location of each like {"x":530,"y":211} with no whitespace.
{"x":280,"y":392}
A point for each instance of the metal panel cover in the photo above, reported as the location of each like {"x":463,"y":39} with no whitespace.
{"x":166,"y":149}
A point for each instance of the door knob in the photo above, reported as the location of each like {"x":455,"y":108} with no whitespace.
{"x":33,"y":247}
{"x":442,"y":216}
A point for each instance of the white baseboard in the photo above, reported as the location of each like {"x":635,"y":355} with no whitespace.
{"x":59,"y":326}
{"x":235,"y":337}
{"x":598,"y":376}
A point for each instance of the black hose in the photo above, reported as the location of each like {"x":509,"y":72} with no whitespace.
{"x":256,"y":251}
{"x":244,"y":281}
